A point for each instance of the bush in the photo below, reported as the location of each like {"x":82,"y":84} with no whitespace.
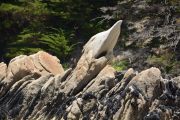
{"x":29,"y":42}
{"x":165,"y":62}
{"x":120,"y":65}
{"x":23,"y":26}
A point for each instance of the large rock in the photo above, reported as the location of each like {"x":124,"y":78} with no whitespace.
{"x":40,"y":63}
{"x":96,"y":53}
{"x":139,"y":94}
{"x":36,"y":87}
{"x":104,"y":81}
{"x":148,"y":82}
{"x":103,"y":42}
{"x":3,"y":71}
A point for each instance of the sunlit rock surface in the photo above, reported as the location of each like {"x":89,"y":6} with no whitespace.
{"x":37,"y":87}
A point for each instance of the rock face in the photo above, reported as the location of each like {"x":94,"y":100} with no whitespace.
{"x":40,"y":64}
{"x":150,"y":34}
{"x":97,"y":52}
{"x":36,"y":87}
{"x":3,"y":68}
{"x":103,"y":42}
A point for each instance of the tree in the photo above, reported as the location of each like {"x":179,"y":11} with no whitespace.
{"x":29,"y":26}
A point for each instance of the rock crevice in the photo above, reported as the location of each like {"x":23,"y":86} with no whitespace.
{"x":37,"y":87}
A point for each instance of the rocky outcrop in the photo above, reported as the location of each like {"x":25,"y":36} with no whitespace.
{"x":150,"y":34}
{"x":36,"y":87}
{"x":40,"y":64}
{"x":3,"y":68}
{"x":96,"y":53}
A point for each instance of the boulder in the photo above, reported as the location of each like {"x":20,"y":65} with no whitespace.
{"x":40,"y":63}
{"x":104,"y":81}
{"x":138,"y":94}
{"x":148,"y":82}
{"x":103,"y":43}
{"x":3,"y":71}
{"x":50,"y":63}
{"x":36,"y":87}
{"x":96,"y":53}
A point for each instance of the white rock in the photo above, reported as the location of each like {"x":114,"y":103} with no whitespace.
{"x":96,"y":54}
{"x":104,"y":41}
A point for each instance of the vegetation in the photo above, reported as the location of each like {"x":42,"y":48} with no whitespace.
{"x":120,"y":65}
{"x":61,"y":27}
{"x":56,"y":26}
{"x":165,"y":62}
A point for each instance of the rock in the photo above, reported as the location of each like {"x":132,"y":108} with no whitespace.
{"x":138,"y":94}
{"x":36,"y":87}
{"x":50,"y":63}
{"x":17,"y":69}
{"x":102,"y":83}
{"x":148,"y":82}
{"x":74,"y":111}
{"x":103,"y":42}
{"x":3,"y":71}
{"x":96,"y":53}
{"x":167,"y":106}
{"x":177,"y":81}
{"x":40,"y":63}
{"x":119,"y":87}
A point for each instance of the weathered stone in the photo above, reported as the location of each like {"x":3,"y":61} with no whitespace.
{"x":97,"y":52}
{"x":102,"y":83}
{"x":123,"y":83}
{"x":40,"y":63}
{"x":50,"y":63}
{"x":37,"y":87}
{"x":148,"y":82}
{"x":177,"y":81}
{"x":103,"y":42}
{"x":138,"y":94}
{"x":3,"y":70}
{"x":17,"y":68}
{"x":74,"y":111}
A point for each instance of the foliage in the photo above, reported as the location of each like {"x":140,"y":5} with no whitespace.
{"x":165,"y":62}
{"x":120,"y":65}
{"x":63,"y":26}
{"x":24,"y":26}
{"x":30,"y":42}
{"x":65,"y":66}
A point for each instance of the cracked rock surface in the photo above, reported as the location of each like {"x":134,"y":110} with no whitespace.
{"x":37,"y":87}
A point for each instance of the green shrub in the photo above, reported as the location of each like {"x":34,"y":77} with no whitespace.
{"x":65,"y":66}
{"x":29,"y":42}
{"x":164,"y":62}
{"x":24,"y":26}
{"x":120,"y":65}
